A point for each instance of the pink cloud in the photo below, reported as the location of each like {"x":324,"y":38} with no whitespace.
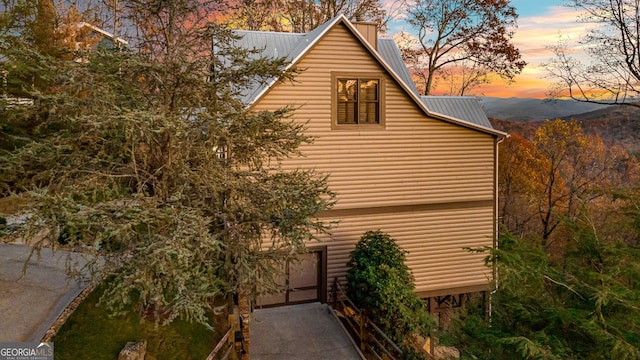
{"x":536,"y":33}
{"x":533,"y":37}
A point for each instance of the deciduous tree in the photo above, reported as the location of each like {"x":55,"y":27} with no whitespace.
{"x":519,"y":162}
{"x":557,"y":175}
{"x":302,"y":16}
{"x":611,"y":74}
{"x":473,"y":33}
{"x":574,"y":172}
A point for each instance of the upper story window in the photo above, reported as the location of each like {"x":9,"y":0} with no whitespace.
{"x":358,"y":101}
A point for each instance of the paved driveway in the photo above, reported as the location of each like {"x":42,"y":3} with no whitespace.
{"x":307,"y":331}
{"x":29,"y":304}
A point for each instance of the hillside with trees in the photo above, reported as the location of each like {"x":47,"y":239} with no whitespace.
{"x":615,"y":125}
{"x":530,"y":110}
{"x":568,"y":253}
{"x":569,"y":246}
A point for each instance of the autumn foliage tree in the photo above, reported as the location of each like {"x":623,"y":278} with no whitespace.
{"x":471,"y":36}
{"x":565,"y":149}
{"x":301,"y":16}
{"x":567,"y":255}
{"x":519,"y":162}
{"x":146,"y":160}
{"x":555,"y":176}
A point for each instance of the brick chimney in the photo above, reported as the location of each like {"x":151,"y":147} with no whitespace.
{"x":368,"y":30}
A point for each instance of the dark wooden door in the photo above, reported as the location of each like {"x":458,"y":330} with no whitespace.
{"x":302,"y":282}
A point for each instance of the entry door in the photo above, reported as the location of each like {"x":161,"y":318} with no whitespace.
{"x":302,"y":282}
{"x":304,"y":279}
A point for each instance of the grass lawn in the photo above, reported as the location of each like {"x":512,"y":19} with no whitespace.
{"x":90,"y":333}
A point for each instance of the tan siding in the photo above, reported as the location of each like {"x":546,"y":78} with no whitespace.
{"x":414,"y":160}
{"x":435,"y":240}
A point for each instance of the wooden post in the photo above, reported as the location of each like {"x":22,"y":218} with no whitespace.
{"x":234,"y":324}
{"x":334,"y":291}
{"x":245,"y":316}
{"x":432,"y":345}
{"x":363,"y":331}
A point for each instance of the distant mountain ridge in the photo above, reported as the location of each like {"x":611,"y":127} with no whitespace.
{"x":614,"y":124}
{"x":528,"y":110}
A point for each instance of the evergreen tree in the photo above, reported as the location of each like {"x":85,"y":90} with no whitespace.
{"x":146,"y":160}
{"x":585,"y":307}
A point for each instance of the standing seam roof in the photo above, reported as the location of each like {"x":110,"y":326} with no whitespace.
{"x":389,"y":51}
{"x":270,"y":45}
{"x":276,"y":45}
{"x":460,"y":107}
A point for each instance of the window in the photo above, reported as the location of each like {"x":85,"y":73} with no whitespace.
{"x":357,"y":101}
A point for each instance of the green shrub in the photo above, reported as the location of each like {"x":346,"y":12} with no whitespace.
{"x":380,"y":283}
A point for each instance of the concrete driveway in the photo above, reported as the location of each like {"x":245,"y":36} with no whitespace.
{"x":29,"y":304}
{"x":307,"y":331}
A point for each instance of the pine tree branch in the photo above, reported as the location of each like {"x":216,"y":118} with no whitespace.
{"x":563,"y":285}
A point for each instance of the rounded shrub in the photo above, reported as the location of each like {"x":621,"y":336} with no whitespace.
{"x":381,"y":284}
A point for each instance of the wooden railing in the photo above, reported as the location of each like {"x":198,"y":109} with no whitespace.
{"x":373,"y":342}
{"x":226,"y":344}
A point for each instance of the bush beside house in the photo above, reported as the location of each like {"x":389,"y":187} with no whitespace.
{"x":380,"y":283}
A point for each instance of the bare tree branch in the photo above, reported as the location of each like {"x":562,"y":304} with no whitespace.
{"x":611,"y":74}
{"x":469,"y":34}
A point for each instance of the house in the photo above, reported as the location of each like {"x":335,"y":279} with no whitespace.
{"x":423,"y":170}
{"x":97,"y":38}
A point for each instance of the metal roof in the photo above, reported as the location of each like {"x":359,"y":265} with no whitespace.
{"x":291,"y":45}
{"x":389,"y":51}
{"x":270,"y":45}
{"x":459,"y":110}
{"x":466,"y":108}
{"x":276,"y":45}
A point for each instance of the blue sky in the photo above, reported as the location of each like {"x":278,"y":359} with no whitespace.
{"x":541,"y":23}
{"x":534,"y":7}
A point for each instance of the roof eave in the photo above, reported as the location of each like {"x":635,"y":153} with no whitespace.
{"x":103,"y":32}
{"x":498,"y":133}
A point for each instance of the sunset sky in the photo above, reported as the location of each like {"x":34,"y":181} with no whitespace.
{"x":541,"y":23}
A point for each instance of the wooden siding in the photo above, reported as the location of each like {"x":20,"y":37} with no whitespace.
{"x":414,"y":160}
{"x":435,"y":241}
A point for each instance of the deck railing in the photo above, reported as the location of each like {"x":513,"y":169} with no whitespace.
{"x":373,"y":342}
{"x":225,"y":344}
